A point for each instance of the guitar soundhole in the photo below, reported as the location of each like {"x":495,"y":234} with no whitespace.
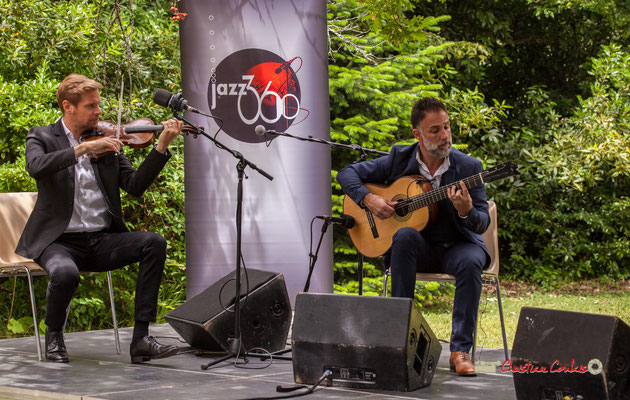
{"x":401,"y":210}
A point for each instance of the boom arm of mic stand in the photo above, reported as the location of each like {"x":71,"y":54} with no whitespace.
{"x":364,"y":150}
{"x":220,"y":145}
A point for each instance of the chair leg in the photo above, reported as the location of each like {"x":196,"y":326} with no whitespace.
{"x":34,"y":309}
{"x":473,"y":357}
{"x":385,"y":279}
{"x":360,"y":272}
{"x":113,"y":305}
{"x":505,"y":351}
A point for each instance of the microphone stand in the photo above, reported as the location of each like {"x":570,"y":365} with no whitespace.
{"x":236,"y":342}
{"x":364,"y":153}
{"x":311,"y":267}
{"x":363,"y":150}
{"x":313,"y":257}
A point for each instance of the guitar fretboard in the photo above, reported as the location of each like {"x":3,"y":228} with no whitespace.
{"x":433,"y":196}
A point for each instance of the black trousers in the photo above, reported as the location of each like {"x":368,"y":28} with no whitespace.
{"x":102,"y":251}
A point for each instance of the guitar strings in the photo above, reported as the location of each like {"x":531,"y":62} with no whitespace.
{"x":426,"y":198}
{"x":432,"y":196}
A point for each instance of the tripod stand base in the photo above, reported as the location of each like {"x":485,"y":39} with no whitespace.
{"x":215,"y":362}
{"x":235,"y":351}
{"x":276,"y":355}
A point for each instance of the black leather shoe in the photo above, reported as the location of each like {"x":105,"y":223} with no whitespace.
{"x":148,"y":348}
{"x":56,"y":348}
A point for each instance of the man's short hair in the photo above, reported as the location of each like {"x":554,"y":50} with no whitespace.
{"x":73,"y":87}
{"x":422,"y":107}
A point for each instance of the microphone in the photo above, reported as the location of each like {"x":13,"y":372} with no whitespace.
{"x":175,"y":102}
{"x":260,"y":130}
{"x":344,"y":220}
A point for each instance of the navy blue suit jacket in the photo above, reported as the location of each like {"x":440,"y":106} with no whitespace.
{"x":401,"y":161}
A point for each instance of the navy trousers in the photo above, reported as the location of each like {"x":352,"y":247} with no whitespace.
{"x":411,"y":253}
{"x":72,"y":253}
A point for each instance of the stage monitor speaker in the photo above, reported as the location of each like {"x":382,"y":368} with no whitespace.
{"x":207,"y":323}
{"x":570,"y":355}
{"x":367,"y":342}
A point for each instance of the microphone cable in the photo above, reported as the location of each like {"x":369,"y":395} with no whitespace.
{"x":282,"y":389}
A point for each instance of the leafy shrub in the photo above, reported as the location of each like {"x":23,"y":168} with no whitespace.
{"x":39,"y":49}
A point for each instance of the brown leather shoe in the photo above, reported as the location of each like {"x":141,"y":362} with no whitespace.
{"x":460,"y":363}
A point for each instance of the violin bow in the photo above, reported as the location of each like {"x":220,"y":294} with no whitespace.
{"x":120,"y":106}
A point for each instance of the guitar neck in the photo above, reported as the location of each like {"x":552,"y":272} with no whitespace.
{"x":433,"y":196}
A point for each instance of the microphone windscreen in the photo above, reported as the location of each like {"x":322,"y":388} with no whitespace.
{"x":260,"y":130}
{"x":161,"y":97}
{"x":348,"y":221}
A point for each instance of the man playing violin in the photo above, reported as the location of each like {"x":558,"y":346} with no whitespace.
{"x":77,"y":222}
{"x":453,"y":242}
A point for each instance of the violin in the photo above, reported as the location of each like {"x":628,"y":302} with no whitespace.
{"x":137,"y":134}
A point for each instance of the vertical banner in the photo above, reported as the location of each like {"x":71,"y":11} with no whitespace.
{"x":250,"y":63}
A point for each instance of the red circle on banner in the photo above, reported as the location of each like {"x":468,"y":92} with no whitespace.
{"x":255,"y":87}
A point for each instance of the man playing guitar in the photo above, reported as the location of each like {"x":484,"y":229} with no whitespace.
{"x":452,"y":242}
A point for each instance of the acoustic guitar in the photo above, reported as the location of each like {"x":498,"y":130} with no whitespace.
{"x":416,"y":207}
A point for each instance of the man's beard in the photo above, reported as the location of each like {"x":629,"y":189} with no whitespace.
{"x":435,"y":149}
{"x":89,"y":126}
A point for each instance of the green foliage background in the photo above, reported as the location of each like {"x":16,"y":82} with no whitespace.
{"x":545,"y":84}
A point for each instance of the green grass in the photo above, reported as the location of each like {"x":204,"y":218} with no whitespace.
{"x":585,"y":297}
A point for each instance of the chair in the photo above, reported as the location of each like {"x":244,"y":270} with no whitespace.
{"x":15,"y":209}
{"x":489,"y":276}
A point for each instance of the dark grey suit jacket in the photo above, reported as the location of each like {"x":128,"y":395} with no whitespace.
{"x":50,"y":160}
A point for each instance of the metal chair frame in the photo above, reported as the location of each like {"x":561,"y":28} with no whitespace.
{"x":489,"y":276}
{"x":13,"y":265}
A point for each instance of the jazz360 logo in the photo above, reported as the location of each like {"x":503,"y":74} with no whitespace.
{"x":252,"y":87}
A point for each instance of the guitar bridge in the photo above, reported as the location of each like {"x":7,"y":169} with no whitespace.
{"x":370,"y":219}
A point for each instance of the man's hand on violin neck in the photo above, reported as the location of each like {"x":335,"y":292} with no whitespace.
{"x":98,"y":147}
{"x":172,"y":129}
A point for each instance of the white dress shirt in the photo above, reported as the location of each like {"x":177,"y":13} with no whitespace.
{"x":90,"y":211}
{"x":435,"y":179}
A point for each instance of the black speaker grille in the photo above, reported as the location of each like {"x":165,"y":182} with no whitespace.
{"x":205,"y":305}
{"x":265,"y":314}
{"x":367,"y":342}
